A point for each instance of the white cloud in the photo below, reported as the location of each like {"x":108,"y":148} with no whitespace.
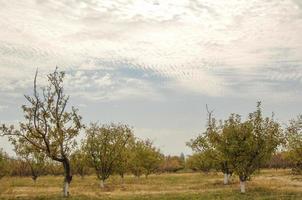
{"x":235,"y":49}
{"x":185,"y":41}
{"x":3,"y":107}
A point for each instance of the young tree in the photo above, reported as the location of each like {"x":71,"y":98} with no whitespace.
{"x":172,"y":164}
{"x":279,"y":160}
{"x":35,"y":160}
{"x":4,"y":164}
{"x":36,"y":163}
{"x":183,"y":159}
{"x":250,"y":143}
{"x":123,"y":162}
{"x":200,"y":162}
{"x":294,"y":143}
{"x":146,"y":158}
{"x":104,"y":146}
{"x":136,"y":159}
{"x":209,"y":145}
{"x":48,"y":127}
{"x":80,"y":162}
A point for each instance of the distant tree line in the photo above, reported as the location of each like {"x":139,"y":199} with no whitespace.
{"x":45,"y":143}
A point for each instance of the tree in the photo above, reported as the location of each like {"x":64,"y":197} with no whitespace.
{"x":79,"y":162}
{"x":36,"y":163}
{"x":200,"y":162}
{"x":104,"y":146}
{"x":35,"y":160}
{"x":183,"y":159}
{"x":136,"y":158}
{"x":146,"y":158}
{"x":279,"y":160}
{"x":4,"y":164}
{"x":171,"y":164}
{"x":250,"y":143}
{"x":209,"y":145}
{"x":49,"y":128}
{"x":294,"y":143}
{"x":123,"y":162}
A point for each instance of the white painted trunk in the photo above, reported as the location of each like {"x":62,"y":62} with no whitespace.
{"x":66,"y":189}
{"x":229,"y":178}
{"x":242,"y":186}
{"x":226,"y":179}
{"x":102,"y":184}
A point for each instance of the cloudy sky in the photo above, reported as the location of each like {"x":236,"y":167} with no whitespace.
{"x":154,"y":64}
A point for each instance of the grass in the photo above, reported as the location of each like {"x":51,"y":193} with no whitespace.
{"x":269,"y":184}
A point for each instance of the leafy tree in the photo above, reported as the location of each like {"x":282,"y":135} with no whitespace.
{"x":210,"y":147}
{"x":49,"y":128}
{"x":80,"y":162}
{"x":200,"y":162}
{"x":136,"y":158}
{"x":294,"y":143}
{"x":123,"y":162}
{"x":279,"y":160}
{"x":4,"y":164}
{"x":183,"y":159}
{"x":146,"y":158}
{"x":54,"y":168}
{"x":171,"y":164}
{"x":105,"y":145}
{"x":250,"y":143}
{"x":35,"y":160}
{"x":36,"y":163}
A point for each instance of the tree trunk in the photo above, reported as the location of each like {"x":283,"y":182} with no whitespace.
{"x":66,"y":189}
{"x":229,"y":177}
{"x":68,"y":177}
{"x":226,"y":178}
{"x":34,"y":178}
{"x":242,"y":186}
{"x":102,"y":184}
{"x":122,"y":176}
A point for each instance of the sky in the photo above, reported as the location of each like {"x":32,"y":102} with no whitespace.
{"x":155,"y":64}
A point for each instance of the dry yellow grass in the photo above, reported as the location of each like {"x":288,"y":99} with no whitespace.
{"x":269,"y":184}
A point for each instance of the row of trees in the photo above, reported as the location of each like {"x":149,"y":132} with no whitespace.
{"x":50,"y":129}
{"x":49,"y":134}
{"x":242,"y":147}
{"x":82,"y":166}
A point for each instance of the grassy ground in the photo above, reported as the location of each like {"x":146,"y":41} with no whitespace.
{"x":269,"y":184}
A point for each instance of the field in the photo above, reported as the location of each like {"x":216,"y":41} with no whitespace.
{"x":269,"y":184}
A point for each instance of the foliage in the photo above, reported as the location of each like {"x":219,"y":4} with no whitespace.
{"x":104,"y":145}
{"x":123,"y":161}
{"x":80,"y":162}
{"x":48,"y":127}
{"x":294,"y":143}
{"x":210,"y":146}
{"x":250,"y":143}
{"x":279,"y":160}
{"x":4,"y":164}
{"x":236,"y":146}
{"x":36,"y":161}
{"x":200,"y":161}
{"x":172,"y":164}
{"x":146,"y":158}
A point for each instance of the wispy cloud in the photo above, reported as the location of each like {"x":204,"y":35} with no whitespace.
{"x":190,"y":43}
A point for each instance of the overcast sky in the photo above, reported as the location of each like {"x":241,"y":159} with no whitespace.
{"x":154,"y":64}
